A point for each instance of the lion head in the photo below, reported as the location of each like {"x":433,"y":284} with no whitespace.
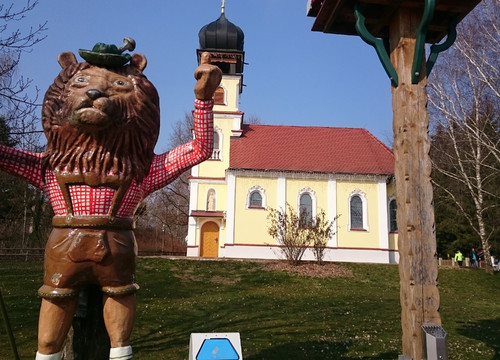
{"x":100,"y":120}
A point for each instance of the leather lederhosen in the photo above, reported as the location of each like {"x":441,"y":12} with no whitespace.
{"x":91,"y":249}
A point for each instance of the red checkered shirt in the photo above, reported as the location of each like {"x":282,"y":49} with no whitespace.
{"x":89,"y":200}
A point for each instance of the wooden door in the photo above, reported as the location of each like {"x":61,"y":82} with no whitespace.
{"x":209,"y":240}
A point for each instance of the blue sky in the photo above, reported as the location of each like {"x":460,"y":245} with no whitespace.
{"x":293,"y":77}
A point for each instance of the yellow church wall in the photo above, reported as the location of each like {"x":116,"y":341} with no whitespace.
{"x":251,"y":224}
{"x":212,"y":169}
{"x":358,"y":238}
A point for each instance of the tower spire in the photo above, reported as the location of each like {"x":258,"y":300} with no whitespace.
{"x":223,"y":7}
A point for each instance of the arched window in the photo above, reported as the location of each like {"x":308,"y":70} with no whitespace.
{"x":306,"y":205}
{"x":256,"y":198}
{"x":306,"y":209}
{"x":211,"y":200}
{"x":217,"y":152}
{"x":393,"y":224}
{"x":220,"y":96}
{"x":356,"y":212}
{"x":216,"y":140}
{"x":358,"y":217}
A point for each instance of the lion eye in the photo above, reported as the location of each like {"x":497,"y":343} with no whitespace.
{"x":120,"y":82}
{"x":82,"y":79}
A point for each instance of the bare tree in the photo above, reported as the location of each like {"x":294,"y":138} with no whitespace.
{"x":166,"y":212}
{"x":16,"y":106}
{"x":24,"y":214}
{"x":285,"y":227}
{"x":296,"y":232}
{"x":320,"y":232}
{"x":464,"y":106}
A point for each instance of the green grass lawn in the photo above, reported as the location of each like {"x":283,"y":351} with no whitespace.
{"x":279,"y":315}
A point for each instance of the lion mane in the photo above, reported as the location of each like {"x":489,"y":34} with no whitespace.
{"x":126,"y":148}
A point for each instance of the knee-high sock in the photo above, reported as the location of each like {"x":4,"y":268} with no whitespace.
{"x":120,"y":353}
{"x":56,"y":356}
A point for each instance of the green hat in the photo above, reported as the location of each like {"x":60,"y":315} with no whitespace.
{"x":108,"y":55}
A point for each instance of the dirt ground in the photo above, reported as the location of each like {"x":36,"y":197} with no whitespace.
{"x":310,"y":269}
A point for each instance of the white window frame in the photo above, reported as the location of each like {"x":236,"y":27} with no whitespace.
{"x":391,"y":199}
{"x":262,"y":193}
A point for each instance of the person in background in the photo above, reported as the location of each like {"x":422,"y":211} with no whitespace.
{"x":473,"y":258}
{"x":480,"y":257}
{"x":459,"y":258}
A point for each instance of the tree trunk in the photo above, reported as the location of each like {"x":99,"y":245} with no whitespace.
{"x":418,"y":269}
{"x":88,"y":338}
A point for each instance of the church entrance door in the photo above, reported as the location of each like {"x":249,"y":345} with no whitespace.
{"x":209,"y":240}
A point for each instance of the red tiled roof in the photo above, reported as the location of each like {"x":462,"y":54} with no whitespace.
{"x":310,"y":149}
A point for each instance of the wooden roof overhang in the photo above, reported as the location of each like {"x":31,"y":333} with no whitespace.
{"x":371,"y":20}
{"x":337,"y":16}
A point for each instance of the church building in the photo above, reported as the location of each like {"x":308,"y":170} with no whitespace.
{"x":345,"y":172}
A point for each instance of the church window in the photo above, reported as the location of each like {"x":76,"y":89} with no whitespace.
{"x":393,"y":224}
{"x":305,"y":209}
{"x":306,"y":205}
{"x":256,"y":198}
{"x":358,"y":211}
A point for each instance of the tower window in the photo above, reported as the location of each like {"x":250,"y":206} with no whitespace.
{"x":220,"y":96}
{"x":216,"y":153}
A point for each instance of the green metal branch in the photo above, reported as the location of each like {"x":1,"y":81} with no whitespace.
{"x":437,"y":48}
{"x":419,"y":52}
{"x":378,"y":44}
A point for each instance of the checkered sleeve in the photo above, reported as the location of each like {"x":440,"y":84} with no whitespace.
{"x":24,"y":164}
{"x":187,"y":155}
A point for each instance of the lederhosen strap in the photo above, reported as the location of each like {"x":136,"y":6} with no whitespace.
{"x":108,"y":221}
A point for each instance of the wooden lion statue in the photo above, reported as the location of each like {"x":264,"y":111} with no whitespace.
{"x":101,"y":118}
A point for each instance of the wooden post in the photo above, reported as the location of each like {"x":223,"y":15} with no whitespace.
{"x":415,"y":216}
{"x":88,"y":338}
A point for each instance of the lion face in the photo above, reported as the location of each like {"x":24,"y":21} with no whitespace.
{"x":101,"y":121}
{"x":94,"y":97}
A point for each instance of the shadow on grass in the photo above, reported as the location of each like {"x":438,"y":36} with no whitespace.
{"x":486,"y":331}
{"x":315,"y":350}
{"x":174,"y":345}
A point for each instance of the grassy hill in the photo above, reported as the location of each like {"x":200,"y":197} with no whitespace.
{"x":280,"y":314}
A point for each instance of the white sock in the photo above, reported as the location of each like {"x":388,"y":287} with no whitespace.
{"x":56,"y":356}
{"x":120,"y":353}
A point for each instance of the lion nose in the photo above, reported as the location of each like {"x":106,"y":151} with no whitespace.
{"x":94,"y":94}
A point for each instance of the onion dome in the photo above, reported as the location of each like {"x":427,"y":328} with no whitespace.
{"x":221,"y":34}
